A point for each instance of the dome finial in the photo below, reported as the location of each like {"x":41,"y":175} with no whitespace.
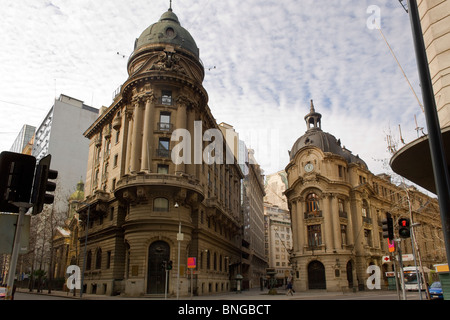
{"x":313,"y":118}
{"x":170,"y":5}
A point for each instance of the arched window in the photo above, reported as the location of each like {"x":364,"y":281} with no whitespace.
{"x":312,"y":203}
{"x":366,"y":212}
{"x":365,"y":209}
{"x":98,"y":259}
{"x":161,"y":204}
{"x":88,"y":260}
{"x":208,"y":260}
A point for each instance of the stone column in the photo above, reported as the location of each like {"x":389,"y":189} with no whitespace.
{"x":129,"y":128}
{"x":147,"y":146}
{"x":136,"y":142}
{"x":328,"y":232}
{"x":302,"y":236}
{"x":294,"y":226}
{"x":348,"y":209}
{"x":336,"y":222}
{"x":191,"y":168}
{"x":181,"y":123}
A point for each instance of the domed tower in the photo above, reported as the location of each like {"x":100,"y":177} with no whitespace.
{"x":326,"y":191}
{"x":151,"y":200}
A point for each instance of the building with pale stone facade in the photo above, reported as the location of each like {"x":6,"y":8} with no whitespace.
{"x":142,"y":206}
{"x":337,"y":205}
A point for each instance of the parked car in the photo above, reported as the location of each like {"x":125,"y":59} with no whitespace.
{"x":436,"y":290}
{"x":2,"y":293}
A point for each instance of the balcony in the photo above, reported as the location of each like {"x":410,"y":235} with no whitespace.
{"x":313,"y":214}
{"x":342,"y":214}
{"x":163,"y":153}
{"x":164,"y":126}
{"x":367,"y":220}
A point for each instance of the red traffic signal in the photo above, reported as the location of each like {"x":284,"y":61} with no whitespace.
{"x":404,"y":230}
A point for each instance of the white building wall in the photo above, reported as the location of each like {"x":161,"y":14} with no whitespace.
{"x":61,"y":135}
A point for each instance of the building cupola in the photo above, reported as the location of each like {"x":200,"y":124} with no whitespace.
{"x":313,"y":119}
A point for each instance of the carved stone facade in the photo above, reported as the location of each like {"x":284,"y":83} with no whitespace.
{"x":337,"y":206}
{"x":137,"y":197}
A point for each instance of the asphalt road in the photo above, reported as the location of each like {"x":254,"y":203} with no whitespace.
{"x":246,"y":295}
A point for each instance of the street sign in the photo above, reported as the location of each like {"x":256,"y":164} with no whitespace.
{"x":192,"y":263}
{"x":391,"y":246}
{"x":407,"y":257}
{"x":386,"y":259}
{"x":8,"y":224}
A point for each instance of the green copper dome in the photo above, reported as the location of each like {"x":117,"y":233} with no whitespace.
{"x":168,"y":31}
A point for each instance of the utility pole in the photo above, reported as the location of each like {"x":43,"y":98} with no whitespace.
{"x":400,"y":261}
{"x":23,"y":207}
{"x":438,"y":159}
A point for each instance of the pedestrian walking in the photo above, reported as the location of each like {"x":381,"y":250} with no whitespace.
{"x":290,"y":289}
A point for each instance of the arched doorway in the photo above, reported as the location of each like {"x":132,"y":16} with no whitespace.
{"x":316,"y":275}
{"x":158,"y":252}
{"x":350,"y":274}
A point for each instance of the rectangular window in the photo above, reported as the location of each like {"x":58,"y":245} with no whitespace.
{"x":314,"y":235}
{"x":343,"y":234}
{"x":368,"y":237}
{"x":161,"y":204}
{"x":163,"y":168}
{"x":166,"y":97}
{"x":163,"y":148}
{"x":164,"y":121}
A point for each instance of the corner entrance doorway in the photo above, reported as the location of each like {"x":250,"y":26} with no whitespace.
{"x":158,"y":252}
{"x":316,"y":275}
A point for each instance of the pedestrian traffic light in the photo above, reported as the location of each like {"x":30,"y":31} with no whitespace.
{"x":169,"y":265}
{"x":388,"y":227}
{"x":41,"y":185}
{"x":404,"y":230}
{"x":16,"y":179}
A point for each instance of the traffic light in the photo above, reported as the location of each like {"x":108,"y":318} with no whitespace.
{"x":16,"y":179}
{"x":164,"y":265}
{"x":41,"y":185}
{"x":169,"y":265}
{"x":388,"y":227}
{"x":404,"y":230}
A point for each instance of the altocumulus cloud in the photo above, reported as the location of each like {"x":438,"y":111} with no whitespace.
{"x":264,"y":61}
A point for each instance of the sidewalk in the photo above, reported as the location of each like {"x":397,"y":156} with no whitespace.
{"x":253,"y":294}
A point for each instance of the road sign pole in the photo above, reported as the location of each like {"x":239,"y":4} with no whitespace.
{"x":402,"y":277}
{"x":167,"y":279}
{"x":23,"y":207}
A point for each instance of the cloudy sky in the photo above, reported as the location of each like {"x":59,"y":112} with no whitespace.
{"x":265,"y":60}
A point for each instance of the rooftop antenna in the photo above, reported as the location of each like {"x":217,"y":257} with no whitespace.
{"x":418,"y":128}
{"x":401,"y":138}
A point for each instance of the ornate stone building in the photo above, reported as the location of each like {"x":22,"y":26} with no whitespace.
{"x":139,"y":197}
{"x":337,"y":206}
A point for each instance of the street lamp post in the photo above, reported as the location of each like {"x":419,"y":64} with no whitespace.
{"x":179,"y":239}
{"x":85,"y":247}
